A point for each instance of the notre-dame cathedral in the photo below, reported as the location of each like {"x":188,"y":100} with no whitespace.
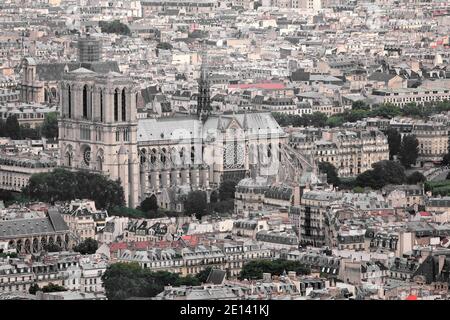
{"x":99,"y":131}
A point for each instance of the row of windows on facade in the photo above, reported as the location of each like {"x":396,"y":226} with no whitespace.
{"x":85,"y":134}
{"x":164,"y":154}
{"x":87,"y":102}
{"x":13,"y":181}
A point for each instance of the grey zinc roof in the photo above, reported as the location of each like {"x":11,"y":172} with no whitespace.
{"x":57,"y":220}
{"x":152,"y":129}
{"x":255,"y":121}
{"x":21,"y":227}
{"x":216,"y":276}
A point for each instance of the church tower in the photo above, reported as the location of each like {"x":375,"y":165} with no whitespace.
{"x":98,"y":127}
{"x":203,"y":99}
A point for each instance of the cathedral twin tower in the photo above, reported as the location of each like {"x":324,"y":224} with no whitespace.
{"x":98,"y":127}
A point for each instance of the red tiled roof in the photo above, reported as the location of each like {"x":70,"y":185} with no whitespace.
{"x":411,"y":297}
{"x":191,"y":240}
{"x":425,"y":214}
{"x":118,"y":246}
{"x":141,"y":244}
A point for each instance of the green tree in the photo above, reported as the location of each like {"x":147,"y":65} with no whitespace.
{"x":50,"y":126}
{"x":12,"y":128}
{"x":335,"y":121}
{"x":26,"y":132}
{"x":415,"y":178}
{"x":317,"y":119}
{"x":115,"y":26}
{"x":446,"y":159}
{"x":196,"y":203}
{"x":360,"y":105}
{"x":213,"y":197}
{"x":394,"y":140}
{"x":149,"y":204}
{"x":51,"y":287}
{"x":413,"y":110}
{"x":409,"y":151}
{"x":227,"y":189}
{"x":331,"y":172}
{"x":52,"y":247}
{"x":64,"y":185}
{"x":122,"y":280}
{"x":33,"y":289}
{"x":88,"y":246}
{"x":202,"y":276}
{"x":125,"y":280}
{"x":254,"y":269}
{"x":383,"y":173}
{"x":386,"y":110}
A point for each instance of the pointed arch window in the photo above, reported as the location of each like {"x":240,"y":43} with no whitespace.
{"x":69,"y":98}
{"x":116,"y":105}
{"x":192,"y":155}
{"x":124,"y":106}
{"x":101,"y":105}
{"x":85,"y":102}
{"x":182,"y":156}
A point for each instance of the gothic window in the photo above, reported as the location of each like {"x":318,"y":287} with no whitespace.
{"x":116,"y":105}
{"x":279,"y":152}
{"x":87,"y":156}
{"x":163,"y":155}
{"x":153,"y":156}
{"x":126,"y":135}
{"x":182,"y":152}
{"x":233,"y":155}
{"x":124,"y":108}
{"x":101,"y":105}
{"x":269,"y":150}
{"x":143,"y":156}
{"x":85,"y":102}
{"x":117,"y":135}
{"x":69,"y":93}
{"x":68,"y":161}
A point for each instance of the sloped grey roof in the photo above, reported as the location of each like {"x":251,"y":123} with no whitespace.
{"x":164,"y":129}
{"x":57,"y":220}
{"x":22,"y":227}
{"x":216,"y":276}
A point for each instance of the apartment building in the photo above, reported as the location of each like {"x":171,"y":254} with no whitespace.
{"x":351,"y":152}
{"x":309,"y":216}
{"x":402,"y":96}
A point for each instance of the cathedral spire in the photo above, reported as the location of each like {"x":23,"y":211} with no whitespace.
{"x":203,"y":99}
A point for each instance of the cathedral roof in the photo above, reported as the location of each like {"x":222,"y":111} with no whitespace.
{"x":82,"y":70}
{"x":254,"y":121}
{"x":165,"y":129}
{"x":186,"y":128}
